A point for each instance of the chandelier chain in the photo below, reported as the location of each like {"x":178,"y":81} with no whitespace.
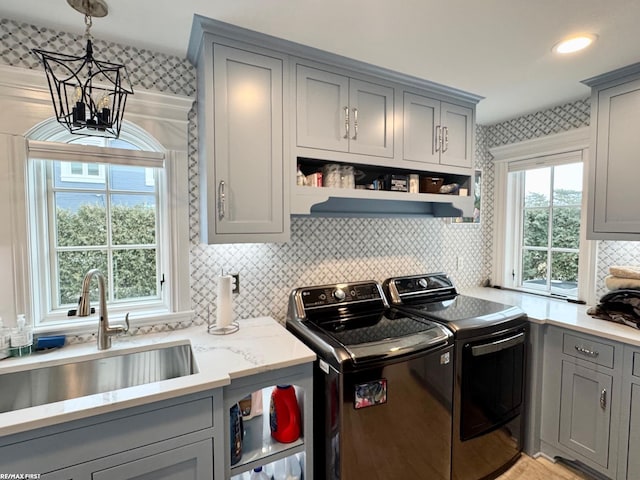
{"x":88,"y":23}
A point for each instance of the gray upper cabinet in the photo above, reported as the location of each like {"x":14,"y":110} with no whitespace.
{"x":437,"y":132}
{"x":613,"y":195}
{"x":266,"y":105}
{"x":342,"y":114}
{"x":244,"y":196}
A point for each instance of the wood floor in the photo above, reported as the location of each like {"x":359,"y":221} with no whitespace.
{"x":527,"y":468}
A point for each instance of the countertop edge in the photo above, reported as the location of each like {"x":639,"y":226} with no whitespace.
{"x":261,"y":345}
{"x":560,"y":313}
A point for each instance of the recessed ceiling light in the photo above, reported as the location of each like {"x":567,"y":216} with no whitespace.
{"x":574,"y":44}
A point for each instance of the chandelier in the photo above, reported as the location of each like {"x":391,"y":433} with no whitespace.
{"x":89,"y":95}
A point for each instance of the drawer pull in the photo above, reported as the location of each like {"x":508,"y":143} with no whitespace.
{"x":587,"y":352}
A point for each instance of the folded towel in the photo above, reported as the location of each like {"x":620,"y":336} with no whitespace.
{"x":626,"y":271}
{"x":616,"y":283}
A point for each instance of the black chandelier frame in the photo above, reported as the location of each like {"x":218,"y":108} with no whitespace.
{"x":89,"y":96}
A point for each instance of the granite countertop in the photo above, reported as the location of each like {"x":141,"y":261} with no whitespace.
{"x":261,"y":345}
{"x":558,"y":312}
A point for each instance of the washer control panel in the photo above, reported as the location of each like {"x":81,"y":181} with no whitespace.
{"x":342,"y":293}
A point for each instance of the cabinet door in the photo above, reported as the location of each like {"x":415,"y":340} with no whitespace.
{"x":457,"y":135}
{"x":371,"y":119}
{"x":616,"y":166}
{"x":420,"y":118}
{"x":585,"y":411}
{"x":191,"y":462}
{"x":633,"y":460}
{"x":248,"y":142}
{"x":322,"y":103}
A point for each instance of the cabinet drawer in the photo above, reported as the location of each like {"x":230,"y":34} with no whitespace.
{"x":107,"y":437}
{"x":587,"y":349}
{"x":636,"y":364}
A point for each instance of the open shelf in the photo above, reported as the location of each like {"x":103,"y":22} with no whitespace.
{"x":328,"y":201}
{"x":258,"y":447}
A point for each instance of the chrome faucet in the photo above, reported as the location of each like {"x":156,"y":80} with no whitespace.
{"x":105,"y":332}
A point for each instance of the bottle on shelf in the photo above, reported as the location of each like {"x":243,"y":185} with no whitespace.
{"x":259,"y":474}
{"x":236,"y":433}
{"x":301,"y":179}
{"x":284,"y":414}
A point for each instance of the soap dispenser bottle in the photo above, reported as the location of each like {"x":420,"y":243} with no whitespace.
{"x":5,"y":340}
{"x":21,"y":338}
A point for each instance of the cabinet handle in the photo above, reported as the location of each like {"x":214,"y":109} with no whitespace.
{"x":603,"y":399}
{"x":437,"y":138}
{"x":445,"y":147}
{"x":221,"y":199}
{"x":355,"y":124}
{"x":588,"y":353}
{"x":346,"y":123}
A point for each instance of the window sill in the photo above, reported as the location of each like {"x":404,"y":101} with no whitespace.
{"x":543,"y":294}
{"x":89,"y":325}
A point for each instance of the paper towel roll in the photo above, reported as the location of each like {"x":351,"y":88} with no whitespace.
{"x":224,"y":307}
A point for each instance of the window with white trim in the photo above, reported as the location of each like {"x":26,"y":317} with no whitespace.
{"x":543,"y":211}
{"x":116,"y":224}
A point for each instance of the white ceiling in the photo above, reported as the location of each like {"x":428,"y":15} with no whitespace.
{"x":500,"y":49}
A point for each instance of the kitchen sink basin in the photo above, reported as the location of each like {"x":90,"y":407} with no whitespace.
{"x":42,"y":385}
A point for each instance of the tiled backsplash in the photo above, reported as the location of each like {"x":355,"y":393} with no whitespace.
{"x":322,"y":250}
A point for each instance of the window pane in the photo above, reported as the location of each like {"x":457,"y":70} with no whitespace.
{"x":135,"y":273}
{"x":534,"y":269}
{"x":93,"y":169}
{"x":537,"y":185}
{"x":566,"y":227}
{"x":72,"y":267}
{"x":76,"y":168}
{"x":567,"y":185}
{"x":81,"y":219}
{"x":133,"y":219}
{"x":536,"y":227}
{"x":564,"y":273}
{"x":130,"y":179}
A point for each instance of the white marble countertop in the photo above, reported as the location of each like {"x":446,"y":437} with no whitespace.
{"x":261,"y":345}
{"x":558,"y":312}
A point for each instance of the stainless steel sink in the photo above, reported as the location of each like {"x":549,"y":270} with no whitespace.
{"x":50,"y":384}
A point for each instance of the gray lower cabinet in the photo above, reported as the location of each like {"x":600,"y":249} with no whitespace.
{"x":585,"y":411}
{"x":189,"y":462}
{"x":581,"y":395}
{"x":168,"y":440}
{"x":244,"y":189}
{"x":629,"y":464}
{"x":338,"y":113}
{"x":437,"y":132}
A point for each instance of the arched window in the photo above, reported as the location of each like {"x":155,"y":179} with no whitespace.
{"x":101,"y":203}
